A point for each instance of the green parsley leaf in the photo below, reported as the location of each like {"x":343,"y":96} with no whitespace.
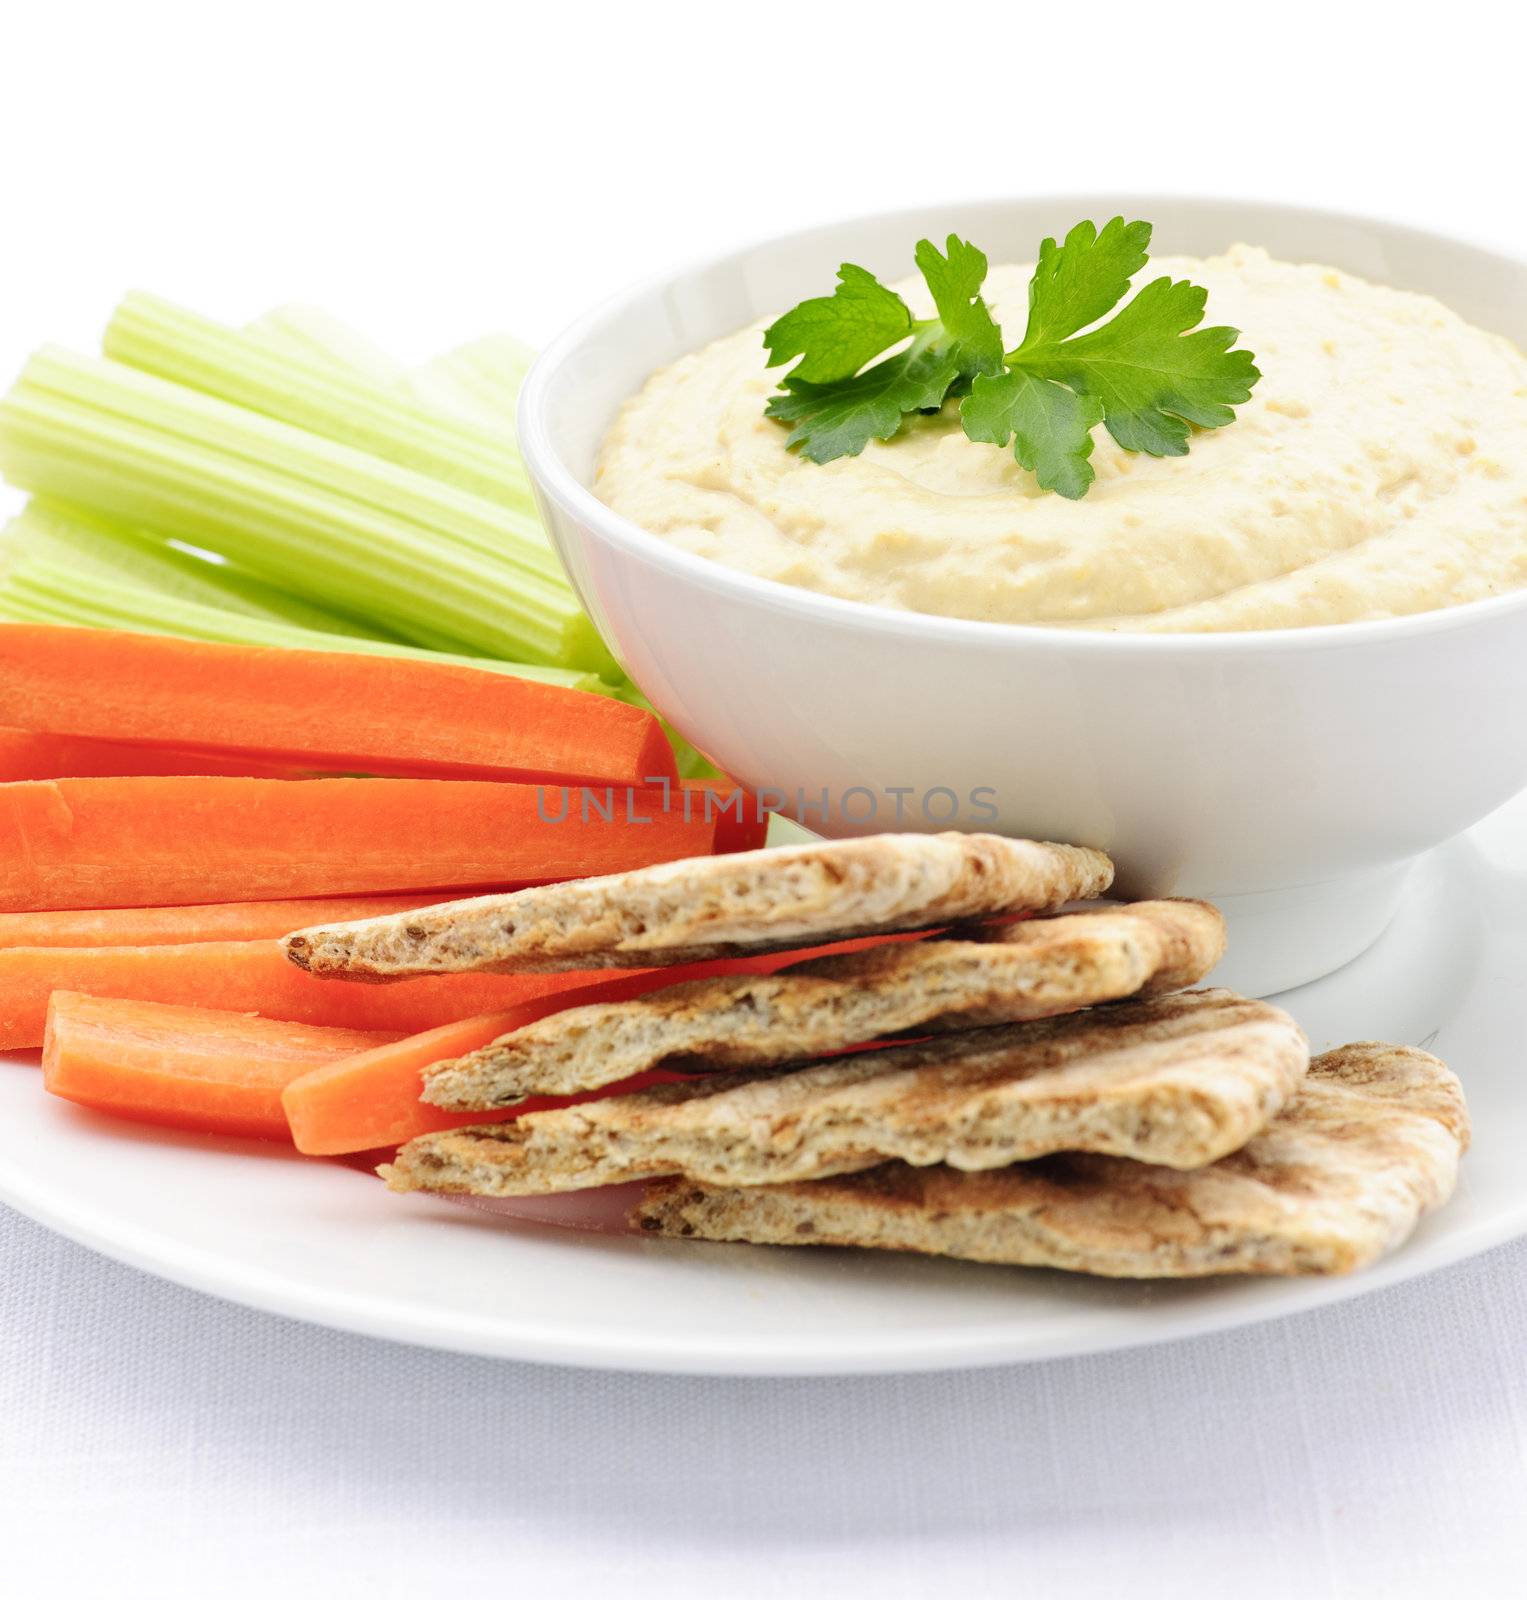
{"x":839,"y":332}
{"x":1083,"y":279}
{"x":835,"y":408}
{"x":1051,"y":427}
{"x":839,"y":419}
{"x":1149,"y":374}
{"x":955,"y":279}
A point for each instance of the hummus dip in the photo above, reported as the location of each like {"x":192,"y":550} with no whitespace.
{"x":1379,"y":468}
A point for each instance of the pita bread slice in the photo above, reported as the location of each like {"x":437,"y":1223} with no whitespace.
{"x":1181,"y":1079}
{"x":696,"y":910}
{"x":1040,"y":968}
{"x":1369,"y":1143}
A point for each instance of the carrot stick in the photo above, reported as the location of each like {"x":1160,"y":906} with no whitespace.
{"x":250,"y":976}
{"x":361,"y":712}
{"x":26,"y":756}
{"x":130,"y":925}
{"x":740,"y":824}
{"x":182,"y":1066}
{"x":87,"y":843}
{"x":210,"y":1071}
{"x":371,"y":1100}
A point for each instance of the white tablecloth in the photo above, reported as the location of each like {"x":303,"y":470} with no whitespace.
{"x":155,"y":1442}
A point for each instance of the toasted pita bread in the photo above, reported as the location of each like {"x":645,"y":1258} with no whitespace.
{"x":1369,"y":1143}
{"x":712,"y":906}
{"x":1182,"y":1080}
{"x":1040,"y":968}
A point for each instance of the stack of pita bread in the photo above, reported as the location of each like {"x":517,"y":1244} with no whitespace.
{"x":1022,"y":1083}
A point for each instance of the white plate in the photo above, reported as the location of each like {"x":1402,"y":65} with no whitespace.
{"x":326,"y":1243}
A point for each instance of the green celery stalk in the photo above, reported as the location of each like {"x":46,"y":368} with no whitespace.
{"x":307,"y":457}
{"x":331,"y":523}
{"x":38,"y":589}
{"x":320,"y":396}
{"x":312,"y":335}
{"x":479,"y":380}
{"x":69,"y":535}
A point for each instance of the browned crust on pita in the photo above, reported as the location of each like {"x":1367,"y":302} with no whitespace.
{"x":711,"y":906}
{"x":1369,"y":1143}
{"x":1189,"y":937}
{"x":1181,"y":1079}
{"x":1034,"y":969}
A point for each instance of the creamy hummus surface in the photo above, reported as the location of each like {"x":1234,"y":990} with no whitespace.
{"x":1379,"y":468}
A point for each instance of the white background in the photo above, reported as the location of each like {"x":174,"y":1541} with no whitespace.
{"x":435,"y":171}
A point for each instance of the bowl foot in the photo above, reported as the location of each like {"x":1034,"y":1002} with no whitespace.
{"x":1281,"y":938}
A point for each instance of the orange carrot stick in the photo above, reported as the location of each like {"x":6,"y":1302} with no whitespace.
{"x":86,"y":843}
{"x":382,"y":713}
{"x":250,"y":976}
{"x":182,"y":1066}
{"x":740,"y":823}
{"x":130,"y":925}
{"x":371,"y":1100}
{"x":27,"y":756}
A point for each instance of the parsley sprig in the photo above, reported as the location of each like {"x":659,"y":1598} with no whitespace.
{"x":1149,"y":373}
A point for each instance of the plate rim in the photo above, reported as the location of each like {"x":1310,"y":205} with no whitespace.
{"x":260,"y":1289}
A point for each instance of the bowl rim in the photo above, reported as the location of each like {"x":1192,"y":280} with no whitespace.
{"x":556,"y":480}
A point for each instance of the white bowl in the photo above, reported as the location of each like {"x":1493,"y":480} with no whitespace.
{"x":1293,"y":776}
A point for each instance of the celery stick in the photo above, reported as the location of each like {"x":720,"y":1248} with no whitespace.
{"x":312,"y":335}
{"x":322,"y":397}
{"x":309,"y":458}
{"x":479,"y":380}
{"x":70,"y":535}
{"x":333,"y":524}
{"x":37,"y":589}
